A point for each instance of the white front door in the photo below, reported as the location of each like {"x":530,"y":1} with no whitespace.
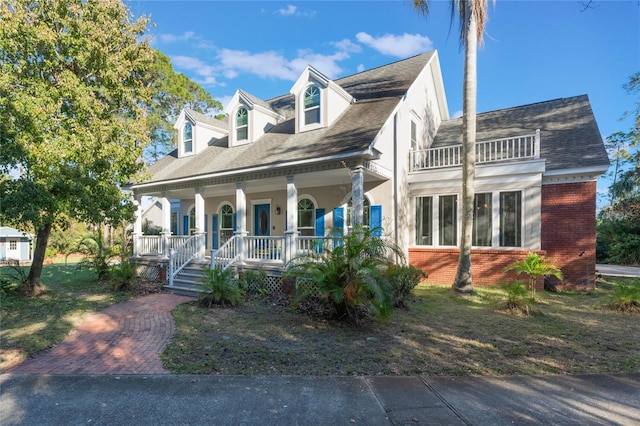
{"x":12,"y":249}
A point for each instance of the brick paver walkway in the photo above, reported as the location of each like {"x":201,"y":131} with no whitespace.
{"x":126,"y":338}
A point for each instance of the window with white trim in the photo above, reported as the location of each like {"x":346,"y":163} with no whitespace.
{"x":311,"y":105}
{"x":13,"y":245}
{"x":225,"y":223}
{"x":306,"y":220}
{"x":187,"y":138}
{"x":242,"y":124}
{"x":366,"y":213}
{"x":192,"y":220}
{"x":436,"y":220}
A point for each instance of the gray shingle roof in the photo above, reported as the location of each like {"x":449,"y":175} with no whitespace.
{"x":377,"y":92}
{"x":200,"y":117}
{"x":569,"y":135}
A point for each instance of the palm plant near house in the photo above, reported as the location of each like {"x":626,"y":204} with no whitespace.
{"x":350,"y":276}
{"x":220,"y":288}
{"x":534,"y":266}
{"x":473,"y":17}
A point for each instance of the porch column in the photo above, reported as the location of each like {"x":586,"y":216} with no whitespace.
{"x":241,"y":219}
{"x":199,"y":201}
{"x":137,"y":226}
{"x":291,"y":233}
{"x":357,"y":194}
{"x":166,"y":224}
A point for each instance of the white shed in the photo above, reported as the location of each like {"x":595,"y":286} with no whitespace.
{"x":15,"y":245}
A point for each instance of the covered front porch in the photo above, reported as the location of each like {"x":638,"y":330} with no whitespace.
{"x":259,"y":219}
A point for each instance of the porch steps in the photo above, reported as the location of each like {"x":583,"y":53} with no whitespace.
{"x":186,"y":282}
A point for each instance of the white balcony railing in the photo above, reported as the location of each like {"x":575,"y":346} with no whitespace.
{"x":508,"y":149}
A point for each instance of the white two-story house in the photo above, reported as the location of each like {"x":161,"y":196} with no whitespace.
{"x":378,"y":148}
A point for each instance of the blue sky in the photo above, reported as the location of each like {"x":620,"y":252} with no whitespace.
{"x":533,"y":50}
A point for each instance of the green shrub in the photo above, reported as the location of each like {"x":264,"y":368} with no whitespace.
{"x":254,"y":281}
{"x":402,"y":279}
{"x":349,"y":276}
{"x":97,"y":256}
{"x":7,"y":287}
{"x":626,"y":297}
{"x":220,"y":288}
{"x":534,"y":266}
{"x":518,"y":298}
{"x":123,"y":276}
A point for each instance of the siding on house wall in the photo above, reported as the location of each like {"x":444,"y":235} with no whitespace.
{"x":568,"y":230}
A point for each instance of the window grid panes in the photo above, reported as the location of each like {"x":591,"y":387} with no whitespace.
{"x":424,"y":221}
{"x":187,"y":137}
{"x":511,"y":219}
{"x":242,"y":124}
{"x":311,"y":103}
{"x":226,"y":223}
{"x":13,"y":245}
{"x":192,"y":220}
{"x":366,"y":210}
{"x":448,"y":220}
{"x":306,"y":225}
{"x":482,"y":219}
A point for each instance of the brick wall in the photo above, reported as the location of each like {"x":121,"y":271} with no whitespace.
{"x":487,"y":266}
{"x":569,"y":231}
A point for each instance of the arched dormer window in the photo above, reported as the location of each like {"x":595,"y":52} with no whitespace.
{"x":242,"y":124}
{"x":311,"y":102}
{"x":187,"y":138}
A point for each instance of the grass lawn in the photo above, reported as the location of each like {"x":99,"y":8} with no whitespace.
{"x":31,"y":325}
{"x":440,"y":333}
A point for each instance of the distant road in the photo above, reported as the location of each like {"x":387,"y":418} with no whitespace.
{"x":618,"y":271}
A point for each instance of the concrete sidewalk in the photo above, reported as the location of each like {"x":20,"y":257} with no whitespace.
{"x":294,"y":400}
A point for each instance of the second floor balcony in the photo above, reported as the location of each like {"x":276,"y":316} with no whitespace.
{"x":525,"y":147}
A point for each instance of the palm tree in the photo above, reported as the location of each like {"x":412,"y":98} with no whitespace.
{"x":473,"y":17}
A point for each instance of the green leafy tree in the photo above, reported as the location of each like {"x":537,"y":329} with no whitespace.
{"x":170,"y":93}
{"x":472,"y":16}
{"x":73,"y":93}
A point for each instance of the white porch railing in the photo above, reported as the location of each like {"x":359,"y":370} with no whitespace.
{"x":150,"y":245}
{"x":309,"y":246}
{"x":520,"y":147}
{"x":265,"y":248}
{"x":182,"y":255}
{"x":226,"y":255}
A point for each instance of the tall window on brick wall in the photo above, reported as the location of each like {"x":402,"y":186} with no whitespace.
{"x":448,"y":220}
{"x":482,"y":220}
{"x":424,"y":221}
{"x":511,"y":219}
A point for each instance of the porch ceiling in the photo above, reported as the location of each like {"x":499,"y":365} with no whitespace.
{"x":315,"y":179}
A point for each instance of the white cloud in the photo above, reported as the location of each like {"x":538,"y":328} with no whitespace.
{"x":206,"y":73}
{"x":361,"y":68}
{"x":265,"y":64}
{"x":400,"y":46}
{"x":457,"y":114}
{"x":172,"y":38}
{"x":289,"y":10}
{"x":347,"y":45}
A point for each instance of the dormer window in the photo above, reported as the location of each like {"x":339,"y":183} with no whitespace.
{"x":187,"y":138}
{"x":242,"y":124}
{"x":311,"y":105}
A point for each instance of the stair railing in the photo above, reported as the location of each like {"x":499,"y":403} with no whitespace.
{"x":182,"y":255}
{"x":227,"y":255}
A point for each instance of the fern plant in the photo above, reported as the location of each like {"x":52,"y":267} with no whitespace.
{"x":518,"y":297}
{"x":220,"y":287}
{"x":626,"y":297}
{"x":349,"y":276}
{"x":534,"y":266}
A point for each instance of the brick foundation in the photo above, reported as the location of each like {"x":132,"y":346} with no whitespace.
{"x":487,"y":266}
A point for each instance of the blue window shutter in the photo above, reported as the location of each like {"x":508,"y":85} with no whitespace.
{"x":319,"y":229}
{"x":206,"y":233}
{"x":214,"y":231}
{"x":338,"y":225}
{"x":319,"y":223}
{"x":185,"y":225}
{"x":376,"y":220}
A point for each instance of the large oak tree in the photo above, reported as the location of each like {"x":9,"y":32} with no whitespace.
{"x":73,"y":95}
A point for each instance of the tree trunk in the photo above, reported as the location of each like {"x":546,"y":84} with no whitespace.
{"x":463,"y":282}
{"x":42,"y":239}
